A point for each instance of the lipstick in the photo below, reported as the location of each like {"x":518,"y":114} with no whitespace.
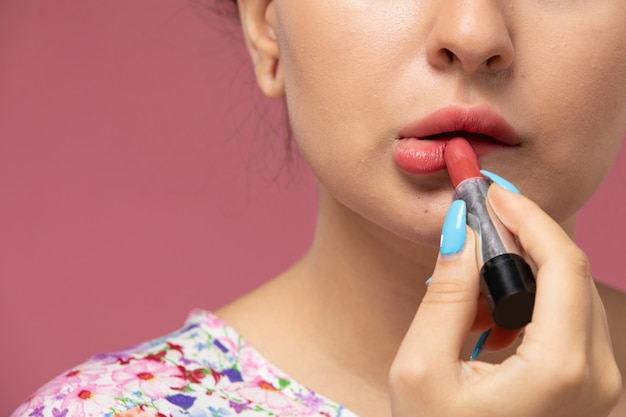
{"x":506,"y":280}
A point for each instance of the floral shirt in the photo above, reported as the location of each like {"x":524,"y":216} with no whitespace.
{"x":203,"y":370}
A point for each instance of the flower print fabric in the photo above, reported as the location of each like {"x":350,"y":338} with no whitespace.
{"x":204,"y":370}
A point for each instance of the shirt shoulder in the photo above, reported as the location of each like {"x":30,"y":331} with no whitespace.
{"x":204,"y":369}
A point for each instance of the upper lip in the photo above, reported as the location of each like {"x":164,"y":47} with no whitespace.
{"x":477,"y":120}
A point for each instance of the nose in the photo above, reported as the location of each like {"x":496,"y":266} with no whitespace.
{"x":472,"y":35}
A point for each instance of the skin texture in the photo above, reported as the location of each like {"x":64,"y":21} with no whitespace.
{"x":353,"y":74}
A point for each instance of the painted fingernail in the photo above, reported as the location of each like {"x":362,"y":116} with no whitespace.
{"x":500,"y":181}
{"x":479,"y":345}
{"x":453,"y":234}
{"x":428,"y":281}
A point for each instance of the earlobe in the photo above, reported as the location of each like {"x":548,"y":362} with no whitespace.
{"x":258,"y":19}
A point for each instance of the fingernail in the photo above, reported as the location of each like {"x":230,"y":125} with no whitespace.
{"x":428,"y":281}
{"x":479,"y":344}
{"x":453,"y":234}
{"x":500,"y":181}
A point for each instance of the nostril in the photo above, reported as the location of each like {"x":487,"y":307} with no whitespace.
{"x":449,"y":54}
{"x":499,"y":62}
{"x":493,"y":61}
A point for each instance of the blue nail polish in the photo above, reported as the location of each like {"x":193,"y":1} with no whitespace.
{"x":428,"y":281}
{"x":453,"y":234}
{"x":479,"y":344}
{"x":500,"y":181}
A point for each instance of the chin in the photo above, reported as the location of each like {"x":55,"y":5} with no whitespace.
{"x":423,"y":231}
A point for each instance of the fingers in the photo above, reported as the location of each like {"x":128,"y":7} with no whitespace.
{"x":448,"y":309}
{"x":564,"y":362}
{"x":567,"y":342}
{"x":563,"y":299}
{"x":500,"y":338}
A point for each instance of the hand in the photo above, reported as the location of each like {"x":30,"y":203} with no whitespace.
{"x":564,"y":366}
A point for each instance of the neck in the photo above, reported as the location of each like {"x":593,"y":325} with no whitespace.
{"x":362,"y":287}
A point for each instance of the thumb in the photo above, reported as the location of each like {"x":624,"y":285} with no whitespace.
{"x":448,"y":309}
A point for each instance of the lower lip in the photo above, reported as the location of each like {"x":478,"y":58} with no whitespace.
{"x":420,"y":157}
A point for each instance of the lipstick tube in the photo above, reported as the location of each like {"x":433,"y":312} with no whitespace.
{"x":507,"y":281}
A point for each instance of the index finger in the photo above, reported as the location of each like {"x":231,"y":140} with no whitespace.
{"x":563,"y":300}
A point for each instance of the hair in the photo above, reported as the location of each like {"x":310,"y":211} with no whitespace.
{"x":229,"y":11}
{"x":226,"y":8}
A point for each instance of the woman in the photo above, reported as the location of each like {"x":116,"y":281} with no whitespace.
{"x":537,"y":88}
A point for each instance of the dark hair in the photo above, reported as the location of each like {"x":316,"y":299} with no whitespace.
{"x":229,"y":10}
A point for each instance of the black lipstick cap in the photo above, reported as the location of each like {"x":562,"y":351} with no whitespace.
{"x":509,"y":287}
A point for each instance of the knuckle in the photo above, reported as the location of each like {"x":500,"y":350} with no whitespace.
{"x":411,"y":380}
{"x":579,"y":261}
{"x":609,"y":385}
{"x":411,"y":389}
{"x":573,"y":260}
{"x":571,"y":372}
{"x":575,"y":374}
{"x":403,"y":378}
{"x":449,"y":292}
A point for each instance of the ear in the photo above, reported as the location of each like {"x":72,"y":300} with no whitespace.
{"x":258,"y":19}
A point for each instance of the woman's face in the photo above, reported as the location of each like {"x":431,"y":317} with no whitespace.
{"x":364,"y":79}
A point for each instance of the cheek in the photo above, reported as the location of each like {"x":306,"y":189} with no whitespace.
{"x":336,"y":59}
{"x":576,"y":81}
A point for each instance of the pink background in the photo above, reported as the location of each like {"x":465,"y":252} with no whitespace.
{"x":141,"y":176}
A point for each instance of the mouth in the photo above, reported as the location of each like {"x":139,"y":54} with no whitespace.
{"x":420,"y":145}
{"x":480,"y":123}
{"x":469,"y":136}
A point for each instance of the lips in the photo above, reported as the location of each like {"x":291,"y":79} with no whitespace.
{"x":419,"y":148}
